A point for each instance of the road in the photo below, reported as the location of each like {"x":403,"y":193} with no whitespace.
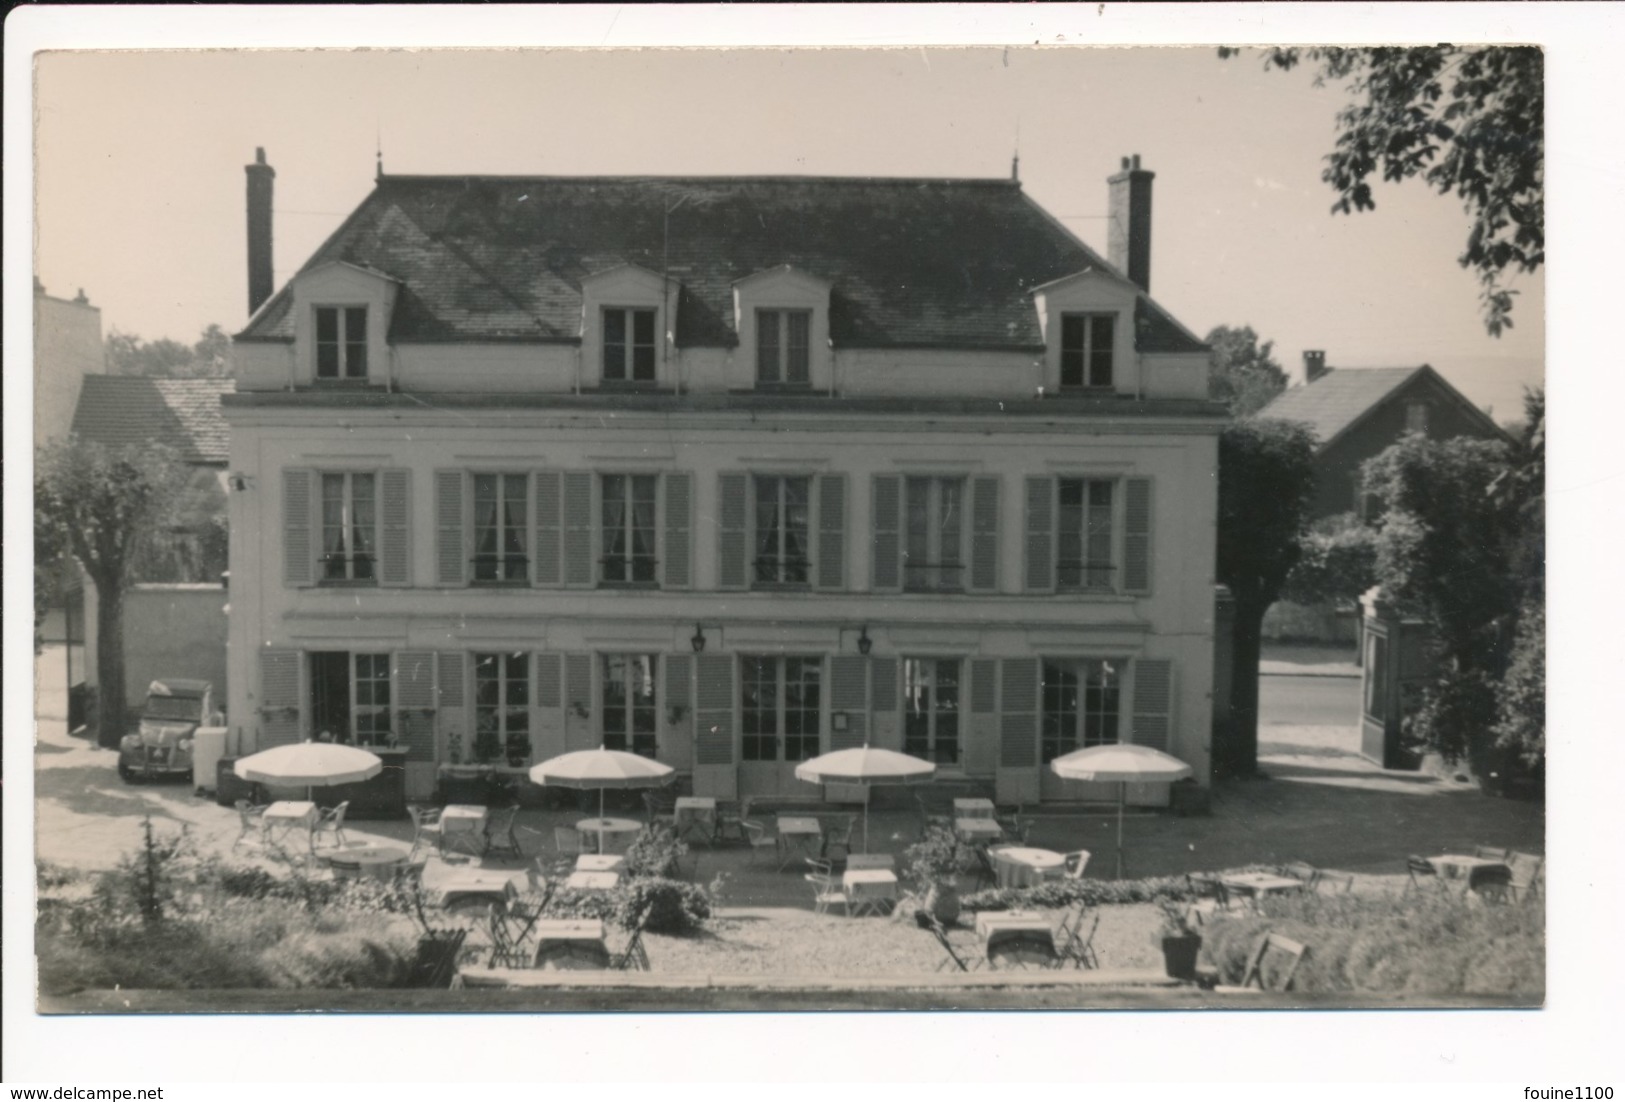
{"x":1311,"y":701}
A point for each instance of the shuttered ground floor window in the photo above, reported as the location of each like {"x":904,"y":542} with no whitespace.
{"x":629,"y":696}
{"x":502,"y":707}
{"x":931,"y":709}
{"x":1082,"y":702}
{"x":780,"y":705}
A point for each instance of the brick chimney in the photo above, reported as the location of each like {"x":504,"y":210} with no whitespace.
{"x":1129,"y":241}
{"x":1314,"y":365}
{"x":260,"y":176}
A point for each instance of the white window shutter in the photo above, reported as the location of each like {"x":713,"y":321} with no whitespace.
{"x":733,"y":512}
{"x":281,"y":703}
{"x":298,"y":509}
{"x":677,"y":552}
{"x":886,"y":575}
{"x":1040,"y":535}
{"x":548,"y":560}
{"x":849,"y":693}
{"x":1137,"y":504}
{"x":579,"y":569}
{"x":832,"y":531}
{"x":395,"y":560}
{"x":415,"y":703}
{"x":451,"y":555}
{"x":1153,"y":703}
{"x":984,"y":538}
{"x":714,"y":709}
{"x":1018,"y":719}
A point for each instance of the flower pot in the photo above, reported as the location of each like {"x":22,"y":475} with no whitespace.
{"x":1179,"y":956}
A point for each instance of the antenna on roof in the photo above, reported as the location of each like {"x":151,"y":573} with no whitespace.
{"x":379,"y":131}
{"x":1015,"y":158}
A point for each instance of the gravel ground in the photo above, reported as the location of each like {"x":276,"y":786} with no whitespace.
{"x":789,"y":942}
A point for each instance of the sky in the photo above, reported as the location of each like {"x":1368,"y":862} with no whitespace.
{"x":140,"y":191}
{"x":140,"y":188}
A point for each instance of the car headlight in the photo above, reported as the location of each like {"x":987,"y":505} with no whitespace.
{"x":184,"y":745}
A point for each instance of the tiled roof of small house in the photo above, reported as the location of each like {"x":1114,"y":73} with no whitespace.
{"x":934,"y":263}
{"x":132,"y":409}
{"x":1339,"y":398}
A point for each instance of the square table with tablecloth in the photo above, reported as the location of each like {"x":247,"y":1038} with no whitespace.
{"x":800,"y":836}
{"x":462,"y":828}
{"x":871,"y":861}
{"x":570,"y":944}
{"x":978,"y":808}
{"x":484,"y":886}
{"x":695,"y":818}
{"x":1256,"y":885}
{"x":287,"y":818}
{"x":592,"y":881}
{"x":600,"y":862}
{"x":870,"y":889}
{"x":1016,"y":928}
{"x":610,"y":835}
{"x":1470,"y":872}
{"x":1026,"y":866}
{"x":976,"y":831}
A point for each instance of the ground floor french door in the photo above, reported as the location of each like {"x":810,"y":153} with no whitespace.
{"x":781,"y":709}
{"x":1081,"y":706}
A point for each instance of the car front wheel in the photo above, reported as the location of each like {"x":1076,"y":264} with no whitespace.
{"x":126,"y":774}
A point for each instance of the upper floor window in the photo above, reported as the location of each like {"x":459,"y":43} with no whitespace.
{"x":1081,"y":701}
{"x":1086,"y":350}
{"x":931,"y":709}
{"x":629,"y":345}
{"x":349,"y":528}
{"x":341,"y":342}
{"x":1084,"y":553}
{"x":629,"y":703}
{"x":782,"y":338}
{"x":779,"y":707}
{"x":1416,"y":417}
{"x":782,"y":522}
{"x":628,"y":528}
{"x":933,"y":546}
{"x":500,"y":543}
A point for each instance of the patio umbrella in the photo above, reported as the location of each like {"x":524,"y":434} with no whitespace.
{"x":1122,"y":763}
{"x":602,"y":769}
{"x":309,"y":764}
{"x":867,"y":766}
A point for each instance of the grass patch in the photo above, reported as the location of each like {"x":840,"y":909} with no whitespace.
{"x":1429,"y":943}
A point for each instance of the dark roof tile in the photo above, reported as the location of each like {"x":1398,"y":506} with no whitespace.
{"x":116,"y":410}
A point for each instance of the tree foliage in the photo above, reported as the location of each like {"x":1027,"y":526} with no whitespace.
{"x":1468,"y":120}
{"x":1338,"y":562}
{"x":1266,"y":477}
{"x":104,"y":504}
{"x":210,"y":357}
{"x":1241,"y":372}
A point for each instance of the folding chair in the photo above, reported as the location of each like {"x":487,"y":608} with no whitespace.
{"x":1076,"y":862}
{"x":986,"y":874}
{"x":756,"y":835}
{"x":661,"y":809}
{"x":1079,"y":947}
{"x":825,"y":892}
{"x":962,"y":958}
{"x":252,"y":822}
{"x":1301,"y":871}
{"x":633,"y":956}
{"x":507,"y":943}
{"x":567,"y":841}
{"x":1419,"y":869}
{"x":331,"y":823}
{"x":839,"y":835}
{"x":730,"y":819}
{"x":1295,"y":951}
{"x":1209,"y":894}
{"x":425,"y":825}
{"x":500,"y":837}
{"x":1528,"y":872}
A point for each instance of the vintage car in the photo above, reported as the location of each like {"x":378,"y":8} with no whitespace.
{"x":162,"y":747}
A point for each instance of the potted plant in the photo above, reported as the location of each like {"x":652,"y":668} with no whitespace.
{"x":1181,"y":940}
{"x":518,"y":750}
{"x":933,"y":868}
{"x":487,"y":746}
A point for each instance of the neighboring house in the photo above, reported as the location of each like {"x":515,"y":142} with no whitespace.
{"x":723,"y":471}
{"x":67,"y":349}
{"x":1357,"y":413}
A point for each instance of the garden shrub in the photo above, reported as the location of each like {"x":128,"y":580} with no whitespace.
{"x":666,"y":906}
{"x":1429,"y":944}
{"x":654,"y":852}
{"x":1068,"y":893}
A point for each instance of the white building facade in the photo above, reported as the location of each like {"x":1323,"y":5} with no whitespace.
{"x":511,"y":480}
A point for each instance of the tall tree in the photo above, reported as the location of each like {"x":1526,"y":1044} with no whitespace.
{"x":1266,"y":478}
{"x":1466,"y":119}
{"x":210,"y":357}
{"x":1242,"y":373}
{"x":105,"y":503}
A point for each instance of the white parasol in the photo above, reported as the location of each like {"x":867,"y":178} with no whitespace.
{"x":1123,"y":763}
{"x":309,"y":764}
{"x":602,"y":769}
{"x":867,"y":766}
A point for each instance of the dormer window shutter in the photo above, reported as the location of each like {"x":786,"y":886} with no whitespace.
{"x":887,"y":492}
{"x":298,"y":562}
{"x":1137,"y":536}
{"x":1040,"y":566}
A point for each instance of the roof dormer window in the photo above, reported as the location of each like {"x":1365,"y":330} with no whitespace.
{"x":629,"y":346}
{"x":782,"y":340}
{"x":1086,"y":350}
{"x":341,"y":342}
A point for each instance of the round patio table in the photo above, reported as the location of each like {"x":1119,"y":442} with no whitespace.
{"x":1026,"y":866}
{"x":377,"y":862}
{"x":617,"y":834}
